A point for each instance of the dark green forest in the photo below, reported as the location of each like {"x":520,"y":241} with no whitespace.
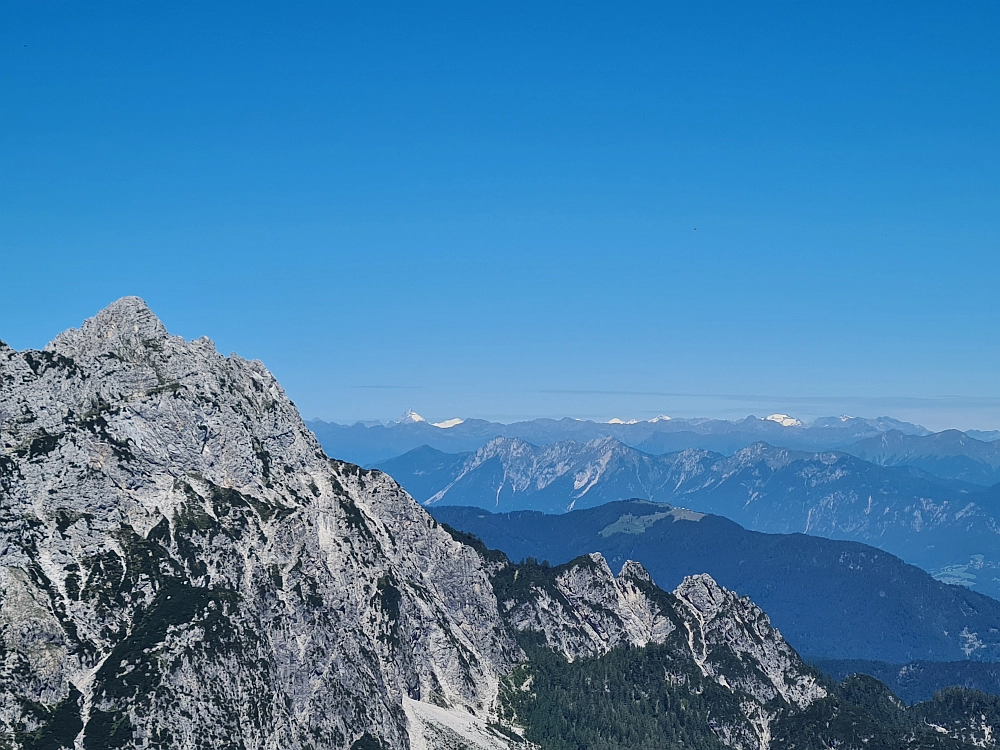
{"x":636,"y":699}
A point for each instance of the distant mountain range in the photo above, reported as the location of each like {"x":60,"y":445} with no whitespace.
{"x":947,"y":527}
{"x":972,"y":457}
{"x":950,"y":454}
{"x":919,"y":680}
{"x":368,"y":442}
{"x":830,"y":599}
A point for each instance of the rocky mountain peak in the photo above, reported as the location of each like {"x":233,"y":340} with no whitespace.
{"x":410,"y":417}
{"x":503,"y":446}
{"x":125,"y":326}
{"x":182,"y":562}
{"x":703,"y":594}
{"x":634,"y":571}
{"x":765,"y":454}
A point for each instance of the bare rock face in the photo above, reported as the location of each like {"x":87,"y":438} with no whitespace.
{"x":733,"y":643}
{"x":181,"y":566}
{"x":582,"y":611}
{"x":586,"y":611}
{"x":720,"y":621}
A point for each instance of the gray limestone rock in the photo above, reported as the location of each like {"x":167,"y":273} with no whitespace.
{"x":583,"y":611}
{"x":181,"y":565}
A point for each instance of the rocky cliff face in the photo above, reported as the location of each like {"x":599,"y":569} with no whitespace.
{"x":181,"y":566}
{"x":582,"y":610}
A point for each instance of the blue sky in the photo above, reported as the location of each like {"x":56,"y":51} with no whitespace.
{"x":511,"y":210}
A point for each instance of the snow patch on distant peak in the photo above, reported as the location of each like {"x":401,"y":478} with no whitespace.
{"x":410,"y":417}
{"x":784,"y":420}
{"x":616,"y":420}
{"x":448,"y":423}
{"x":660,"y":418}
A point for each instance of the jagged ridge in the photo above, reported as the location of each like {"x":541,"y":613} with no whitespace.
{"x":581,"y":610}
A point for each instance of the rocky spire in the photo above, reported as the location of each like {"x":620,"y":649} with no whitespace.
{"x":125,"y":326}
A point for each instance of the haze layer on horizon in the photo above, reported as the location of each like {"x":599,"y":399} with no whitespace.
{"x":523,"y":210}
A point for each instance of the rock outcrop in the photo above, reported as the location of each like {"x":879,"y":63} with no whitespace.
{"x":181,"y":565}
{"x":582,"y":610}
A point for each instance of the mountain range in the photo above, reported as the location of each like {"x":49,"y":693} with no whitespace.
{"x":949,"y":454}
{"x":946,"y":527}
{"x":830,"y":599}
{"x":971,"y":457}
{"x":616,"y":662}
{"x":182,"y":566}
{"x":368,"y":443}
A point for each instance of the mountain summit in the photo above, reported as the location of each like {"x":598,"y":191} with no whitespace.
{"x":410,"y":417}
{"x":182,"y":563}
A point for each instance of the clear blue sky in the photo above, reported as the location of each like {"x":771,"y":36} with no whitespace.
{"x":489,"y":209}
